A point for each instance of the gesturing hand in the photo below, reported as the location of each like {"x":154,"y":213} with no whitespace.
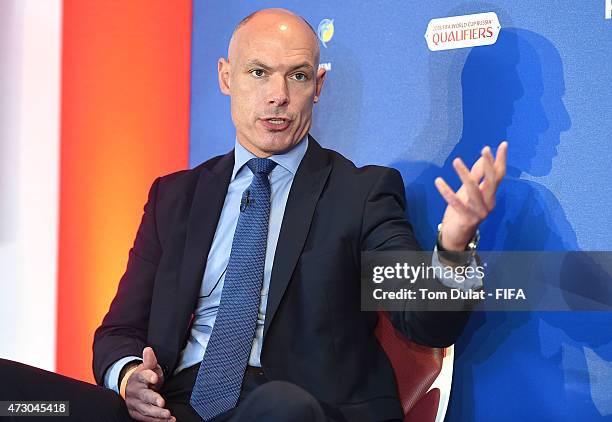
{"x":474,"y":200}
{"x":143,"y":401}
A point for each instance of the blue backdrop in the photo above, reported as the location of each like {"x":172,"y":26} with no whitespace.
{"x":545,"y":87}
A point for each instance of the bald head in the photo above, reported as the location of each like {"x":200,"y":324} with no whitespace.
{"x":282,"y":21}
{"x":248,"y":18}
{"x":273,"y":78}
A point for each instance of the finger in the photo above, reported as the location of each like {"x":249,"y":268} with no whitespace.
{"x":500,"y":161}
{"x":147,"y":376}
{"x":145,"y":411}
{"x":152,"y":411}
{"x":145,"y":404}
{"x":151,"y":397}
{"x":477,"y":171}
{"x":468,"y":180}
{"x":474,"y":193}
{"x":159,"y":371}
{"x":140,"y":417}
{"x":148,"y":357}
{"x":451,"y":197}
{"x":489,"y":185}
{"x":160,"y":377}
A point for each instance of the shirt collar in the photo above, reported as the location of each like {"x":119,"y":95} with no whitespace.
{"x":290,"y":160}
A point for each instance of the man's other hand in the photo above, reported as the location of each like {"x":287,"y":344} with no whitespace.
{"x":143,"y":401}
{"x":474,"y":200}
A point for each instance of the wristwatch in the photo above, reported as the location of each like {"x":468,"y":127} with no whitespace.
{"x":459,"y":258}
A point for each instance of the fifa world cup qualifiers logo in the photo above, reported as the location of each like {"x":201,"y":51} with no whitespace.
{"x":463,"y":31}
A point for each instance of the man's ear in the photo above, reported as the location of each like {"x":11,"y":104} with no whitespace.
{"x":320,"y":79}
{"x":223,"y":68}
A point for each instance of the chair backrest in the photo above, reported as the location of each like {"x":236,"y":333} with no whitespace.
{"x":416,"y":369}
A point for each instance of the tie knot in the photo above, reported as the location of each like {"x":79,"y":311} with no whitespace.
{"x":261,"y":165}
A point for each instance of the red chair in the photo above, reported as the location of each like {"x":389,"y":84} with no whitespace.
{"x":423,"y":374}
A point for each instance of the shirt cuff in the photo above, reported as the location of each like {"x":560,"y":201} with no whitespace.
{"x":457,"y":281}
{"x":111,"y":378}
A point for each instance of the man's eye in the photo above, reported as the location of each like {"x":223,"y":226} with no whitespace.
{"x":258,"y":73}
{"x":300,"y":77}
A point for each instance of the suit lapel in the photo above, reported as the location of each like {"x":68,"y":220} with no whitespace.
{"x":303,"y":196}
{"x":208,"y":200}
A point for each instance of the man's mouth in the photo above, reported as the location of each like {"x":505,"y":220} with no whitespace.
{"x":275,"y":123}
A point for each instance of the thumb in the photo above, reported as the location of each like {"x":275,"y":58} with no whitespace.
{"x":149,"y":359}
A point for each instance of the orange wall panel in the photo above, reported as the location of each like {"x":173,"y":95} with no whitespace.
{"x":124,"y":121}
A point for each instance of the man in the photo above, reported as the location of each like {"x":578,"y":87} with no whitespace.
{"x":288,"y":220}
{"x":241,"y":297}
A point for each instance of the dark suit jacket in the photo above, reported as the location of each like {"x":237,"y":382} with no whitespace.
{"x":314,"y":334}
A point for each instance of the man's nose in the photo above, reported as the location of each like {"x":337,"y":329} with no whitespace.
{"x":278,"y":94}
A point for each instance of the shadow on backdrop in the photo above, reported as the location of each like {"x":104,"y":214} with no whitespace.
{"x":527,"y":365}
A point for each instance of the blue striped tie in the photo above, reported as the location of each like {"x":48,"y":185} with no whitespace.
{"x":219,"y":380}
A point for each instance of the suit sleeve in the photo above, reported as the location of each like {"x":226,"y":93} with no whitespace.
{"x":385,"y":228}
{"x":123,"y":331}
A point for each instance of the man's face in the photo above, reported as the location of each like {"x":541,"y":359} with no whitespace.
{"x":272,"y":78}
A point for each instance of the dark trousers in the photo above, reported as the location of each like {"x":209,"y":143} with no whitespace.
{"x":260,"y":399}
{"x":87,"y":402}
